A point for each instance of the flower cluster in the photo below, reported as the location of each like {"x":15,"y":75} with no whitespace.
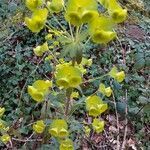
{"x":39,"y":50}
{"x":95,"y":106}
{"x":39,"y":15}
{"x":33,"y":4}
{"x":100,"y":26}
{"x":39,"y":89}
{"x":118,"y":76}
{"x":105,"y":91}
{"x":39,"y":126}
{"x":3,"y":128}
{"x":58,"y":129}
{"x":55,"y":5}
{"x":37,"y":21}
{"x":81,"y":12}
{"x":115,"y":10}
{"x":101,"y":29}
{"x":98,"y":125}
{"x":68,"y":75}
{"x":66,"y":144}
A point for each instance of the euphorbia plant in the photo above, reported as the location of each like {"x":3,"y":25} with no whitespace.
{"x":85,"y":22}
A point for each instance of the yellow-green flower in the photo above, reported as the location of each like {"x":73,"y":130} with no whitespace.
{"x":55,"y":43}
{"x":95,"y":106}
{"x":68,"y":76}
{"x":33,"y":4}
{"x":87,"y":130}
{"x":55,"y":5}
{"x":59,"y":128}
{"x":48,"y":58}
{"x":39,"y":126}
{"x":39,"y":50}
{"x":5,"y":138}
{"x":115,"y":10}
{"x":66,"y":145}
{"x":37,"y":21}
{"x":86,"y":62}
{"x":102,"y":36}
{"x":82,"y":11}
{"x":81,"y":68}
{"x":101,"y":29}
{"x":119,"y":15}
{"x":98,"y":125}
{"x":56,"y":32}
{"x":2,"y":110}
{"x":39,"y":89}
{"x":118,"y":76}
{"x":74,"y":95}
{"x":2,"y":125}
{"x":48,"y":37}
{"x":61,"y":60}
{"x":106,"y":91}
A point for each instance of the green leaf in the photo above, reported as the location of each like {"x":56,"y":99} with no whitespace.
{"x":140,"y":63}
{"x":147,"y":109}
{"x":77,"y":105}
{"x":147,"y":59}
{"x":121,"y":106}
{"x":143,"y":100}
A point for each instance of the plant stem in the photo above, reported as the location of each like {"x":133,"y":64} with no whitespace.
{"x":98,"y":78}
{"x":117,"y":118}
{"x":68,"y":95}
{"x":27,"y":140}
{"x":60,"y":24}
{"x":50,"y":52}
{"x":71,"y":32}
{"x":77,"y":33}
{"x":87,"y":40}
{"x":126,"y":121}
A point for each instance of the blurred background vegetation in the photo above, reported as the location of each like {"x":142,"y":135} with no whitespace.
{"x":131,"y":52}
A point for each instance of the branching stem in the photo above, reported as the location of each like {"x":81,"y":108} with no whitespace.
{"x":97,"y":78}
{"x":117,"y":118}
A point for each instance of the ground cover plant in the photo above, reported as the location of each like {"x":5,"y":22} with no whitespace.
{"x":70,"y":90}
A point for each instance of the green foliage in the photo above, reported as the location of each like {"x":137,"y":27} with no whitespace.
{"x":19,"y":68}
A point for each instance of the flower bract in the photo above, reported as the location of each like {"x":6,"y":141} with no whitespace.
{"x":59,"y":128}
{"x":98,"y":125}
{"x":101,"y":29}
{"x":39,"y":126}
{"x":68,"y":76}
{"x":95,"y":106}
{"x":106,"y":91}
{"x":118,"y":76}
{"x":39,"y":89}
{"x":117,"y":13}
{"x":66,"y":145}
{"x":2,"y":110}
{"x":82,"y":11}
{"x":5,"y":138}
{"x":33,"y":4}
{"x":37,"y":21}
{"x":55,"y":5}
{"x":39,"y":50}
